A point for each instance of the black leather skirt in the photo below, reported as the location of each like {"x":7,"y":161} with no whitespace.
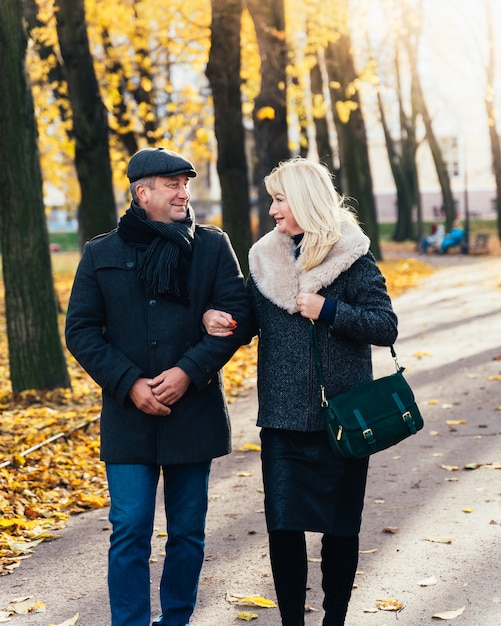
{"x":307,"y":488}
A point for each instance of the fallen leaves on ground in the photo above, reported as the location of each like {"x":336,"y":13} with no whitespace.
{"x":49,"y":440}
{"x":247,"y":616}
{"x":439,"y":539}
{"x":428,"y":582}
{"x":252,"y":600}
{"x":21,"y":606}
{"x":449,"y":614}
{"x":389,"y":604}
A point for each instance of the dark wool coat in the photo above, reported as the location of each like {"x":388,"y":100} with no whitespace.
{"x":288,"y":389}
{"x":119,"y":331}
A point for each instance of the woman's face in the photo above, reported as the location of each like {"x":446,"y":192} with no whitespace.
{"x":281,"y":213}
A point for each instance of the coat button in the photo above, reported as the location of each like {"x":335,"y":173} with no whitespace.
{"x":153,"y":303}
{"x":130,"y":264}
{"x":154,"y":345}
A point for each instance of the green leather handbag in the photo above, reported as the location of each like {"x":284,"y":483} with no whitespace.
{"x":370,"y":417}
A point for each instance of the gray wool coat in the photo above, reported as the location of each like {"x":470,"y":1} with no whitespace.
{"x":119,"y":331}
{"x":288,"y":389}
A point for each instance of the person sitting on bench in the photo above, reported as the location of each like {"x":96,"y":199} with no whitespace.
{"x":452,"y":238}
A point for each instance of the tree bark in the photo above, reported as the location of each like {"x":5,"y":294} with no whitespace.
{"x":97,"y":212}
{"x":436,"y":152}
{"x":490,"y":106}
{"x":223,"y":72}
{"x":352,"y":138}
{"x":324,"y":147}
{"x":35,"y":350}
{"x":270,"y":108}
{"x":402,"y":158}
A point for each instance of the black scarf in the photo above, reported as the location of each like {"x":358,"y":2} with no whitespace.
{"x":168,"y":247}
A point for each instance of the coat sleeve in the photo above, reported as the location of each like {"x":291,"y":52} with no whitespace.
{"x":364,"y":313}
{"x":85,"y":339}
{"x":228,"y":293}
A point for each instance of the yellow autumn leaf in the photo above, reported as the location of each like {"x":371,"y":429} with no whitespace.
{"x":450,"y":468}
{"x":243,"y":474}
{"x":389,"y":604}
{"x":439,"y":539}
{"x":449,"y":614}
{"x":432,"y":401}
{"x":5,"y":523}
{"x":497,"y":377}
{"x":250,"y":600}
{"x":455,"y":422}
{"x":344,"y":109}
{"x":467,"y":509}
{"x":247,"y":616}
{"x":249,"y":446}
{"x":69,"y":622}
{"x":265,"y":113}
{"x":29,"y":605}
{"x":93,"y":501}
{"x":421,"y":353}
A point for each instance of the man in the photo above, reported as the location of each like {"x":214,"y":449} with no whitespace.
{"x":134,"y":324}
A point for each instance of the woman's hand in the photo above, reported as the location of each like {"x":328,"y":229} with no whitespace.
{"x":310,"y":305}
{"x":218,"y":323}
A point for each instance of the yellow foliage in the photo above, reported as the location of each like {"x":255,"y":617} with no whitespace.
{"x":265,"y":113}
{"x":344,"y":109}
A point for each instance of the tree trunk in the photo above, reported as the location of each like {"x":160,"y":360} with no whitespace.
{"x":324,"y":147}
{"x":490,"y":104}
{"x":403,"y":165}
{"x":35,"y":351}
{"x":223,"y":72}
{"x":97,"y":212}
{"x":270,"y":108}
{"x":436,"y":152}
{"x":352,"y":138}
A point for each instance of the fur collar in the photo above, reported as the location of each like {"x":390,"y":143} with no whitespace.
{"x":279,"y":278}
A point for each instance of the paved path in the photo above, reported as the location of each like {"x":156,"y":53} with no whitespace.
{"x":450,"y":338}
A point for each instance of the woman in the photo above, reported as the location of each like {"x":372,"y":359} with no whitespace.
{"x":314,"y":265}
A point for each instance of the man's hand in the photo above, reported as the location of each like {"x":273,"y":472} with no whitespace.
{"x":144,"y":399}
{"x":170,"y":385}
{"x":218,"y":323}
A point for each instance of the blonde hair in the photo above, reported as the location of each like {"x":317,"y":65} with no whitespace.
{"x":319,"y":210}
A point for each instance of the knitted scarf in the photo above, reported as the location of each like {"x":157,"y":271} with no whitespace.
{"x":167,"y":247}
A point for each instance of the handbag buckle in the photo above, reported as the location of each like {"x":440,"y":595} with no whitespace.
{"x":323,"y":401}
{"x":406,"y":416}
{"x":367,"y":433}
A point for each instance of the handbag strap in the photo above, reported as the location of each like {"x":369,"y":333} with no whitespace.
{"x":318,"y":365}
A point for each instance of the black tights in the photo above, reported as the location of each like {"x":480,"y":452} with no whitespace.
{"x":290,"y":571}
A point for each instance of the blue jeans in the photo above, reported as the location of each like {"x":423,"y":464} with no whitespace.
{"x":133,"y":493}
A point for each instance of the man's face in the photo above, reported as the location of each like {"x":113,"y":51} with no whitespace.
{"x":168,"y":200}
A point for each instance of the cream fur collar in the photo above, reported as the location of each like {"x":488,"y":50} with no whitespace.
{"x":279,"y":278}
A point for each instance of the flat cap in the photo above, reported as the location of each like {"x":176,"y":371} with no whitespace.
{"x":158,"y":162}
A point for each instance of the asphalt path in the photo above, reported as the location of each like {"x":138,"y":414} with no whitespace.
{"x":431,"y":532}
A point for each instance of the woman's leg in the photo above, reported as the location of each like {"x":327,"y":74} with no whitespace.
{"x":290,"y":570}
{"x":339,"y":566}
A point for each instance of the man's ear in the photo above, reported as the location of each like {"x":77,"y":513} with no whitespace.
{"x":142,"y":191}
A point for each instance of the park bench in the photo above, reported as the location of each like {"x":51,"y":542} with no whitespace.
{"x":480,"y":244}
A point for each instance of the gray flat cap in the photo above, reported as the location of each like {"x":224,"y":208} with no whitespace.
{"x":158,"y":162}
